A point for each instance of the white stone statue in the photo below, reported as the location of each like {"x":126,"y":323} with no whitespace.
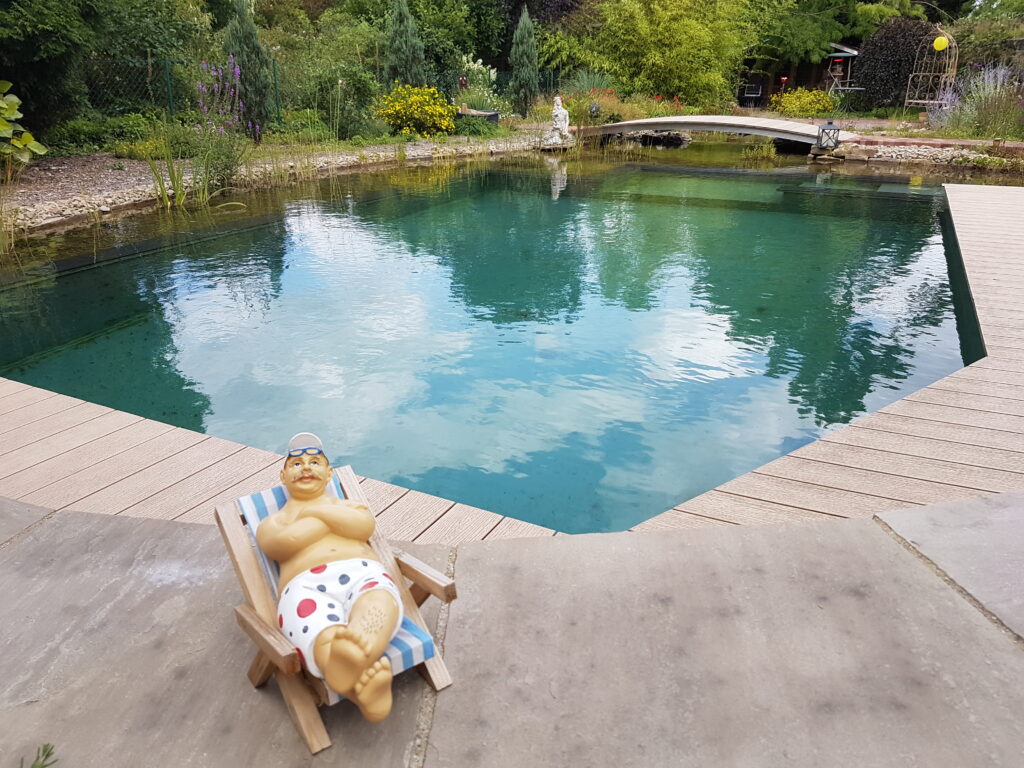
{"x":560,"y":119}
{"x":558,"y":135}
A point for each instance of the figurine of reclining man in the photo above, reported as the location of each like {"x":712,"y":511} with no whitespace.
{"x":337,"y":605}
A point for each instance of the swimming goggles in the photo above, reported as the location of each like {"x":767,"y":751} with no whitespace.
{"x":312,"y":450}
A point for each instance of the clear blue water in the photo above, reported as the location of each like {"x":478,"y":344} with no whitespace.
{"x":578,"y":345}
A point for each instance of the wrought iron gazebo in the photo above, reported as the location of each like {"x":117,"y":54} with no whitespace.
{"x":931,"y":81}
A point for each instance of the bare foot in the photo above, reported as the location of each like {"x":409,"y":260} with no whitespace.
{"x":372,"y":693}
{"x":342,"y":655}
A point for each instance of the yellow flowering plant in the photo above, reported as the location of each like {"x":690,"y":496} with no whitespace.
{"x":803,"y":103}
{"x":415,"y":111}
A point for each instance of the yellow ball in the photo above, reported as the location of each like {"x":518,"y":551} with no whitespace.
{"x":941,"y":43}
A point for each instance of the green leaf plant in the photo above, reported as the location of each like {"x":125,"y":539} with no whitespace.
{"x":15,"y":142}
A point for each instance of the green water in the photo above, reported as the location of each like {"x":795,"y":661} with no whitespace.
{"x":577,"y":344}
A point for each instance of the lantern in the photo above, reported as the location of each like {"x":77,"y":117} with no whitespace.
{"x":828,"y":135}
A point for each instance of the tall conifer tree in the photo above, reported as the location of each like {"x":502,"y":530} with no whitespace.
{"x":253,"y":61}
{"x":525,"y":84}
{"x":404,"y":55}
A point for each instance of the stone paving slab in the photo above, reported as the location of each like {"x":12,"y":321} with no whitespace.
{"x":979,"y":543}
{"x":121,"y":649}
{"x":813,"y":644}
{"x":16,"y":516}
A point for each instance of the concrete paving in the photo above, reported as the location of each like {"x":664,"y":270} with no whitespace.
{"x":16,"y":516}
{"x":814,"y":645}
{"x":802,"y":645}
{"x":978,"y":543}
{"x":121,"y":649}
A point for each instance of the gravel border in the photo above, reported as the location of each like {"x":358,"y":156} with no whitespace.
{"x":63,"y":192}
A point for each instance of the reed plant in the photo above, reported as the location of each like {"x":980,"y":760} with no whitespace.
{"x":759,"y":151}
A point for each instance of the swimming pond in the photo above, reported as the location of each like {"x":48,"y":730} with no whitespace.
{"x":577,"y":344}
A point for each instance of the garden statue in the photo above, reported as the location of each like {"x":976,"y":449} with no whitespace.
{"x":337,"y":605}
{"x":558,"y":135}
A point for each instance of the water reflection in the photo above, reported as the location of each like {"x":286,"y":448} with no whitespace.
{"x":579,"y":353}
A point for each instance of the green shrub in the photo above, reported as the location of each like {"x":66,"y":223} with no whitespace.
{"x":130,"y":127}
{"x":140,"y":150}
{"x":803,"y":103}
{"x":476,"y":126}
{"x":417,"y":111}
{"x":80,"y":133}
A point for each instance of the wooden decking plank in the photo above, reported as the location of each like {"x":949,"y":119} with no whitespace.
{"x":974,"y":402}
{"x":1005,"y":337}
{"x":103,"y":421}
{"x":459,"y":524}
{"x":1007,"y":289}
{"x":411,"y":515}
{"x":381,"y":495}
{"x":1000,"y":364}
{"x":907,"y":467}
{"x":677,"y":519}
{"x":938,"y":430}
{"x":741,"y":510}
{"x":119,"y":496}
{"x":1013,"y":378}
{"x":258,"y":481}
{"x":1003,"y":327}
{"x":928,"y":448}
{"x":22,"y":437}
{"x":56,"y":470}
{"x":122,"y":460}
{"x":1008,"y":353}
{"x":37,"y":411}
{"x":10,"y":386}
{"x":809,"y":496}
{"x":201,"y":486}
{"x":23,"y":399}
{"x":510,"y":528}
{"x":974,"y":386}
{"x":891,"y":486}
{"x":951,"y":415}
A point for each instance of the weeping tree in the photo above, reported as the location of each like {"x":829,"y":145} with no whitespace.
{"x":886,"y":60}
{"x":525,"y":84}
{"x":253,"y":61}
{"x":404,"y":48}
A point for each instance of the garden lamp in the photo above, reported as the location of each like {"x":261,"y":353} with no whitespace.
{"x":828,"y":135}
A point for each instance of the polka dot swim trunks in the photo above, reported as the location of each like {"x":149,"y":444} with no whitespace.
{"x":323,"y":597}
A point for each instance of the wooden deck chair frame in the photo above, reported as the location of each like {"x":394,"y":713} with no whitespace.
{"x":276,"y":657}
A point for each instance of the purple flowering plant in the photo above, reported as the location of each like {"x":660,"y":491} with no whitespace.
{"x":220,"y":107}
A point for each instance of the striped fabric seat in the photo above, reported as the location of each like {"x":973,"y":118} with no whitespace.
{"x":411,"y":646}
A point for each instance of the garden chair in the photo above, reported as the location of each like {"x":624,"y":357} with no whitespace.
{"x":275,"y":656}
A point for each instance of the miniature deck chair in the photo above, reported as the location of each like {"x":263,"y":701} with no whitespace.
{"x":275,"y":656}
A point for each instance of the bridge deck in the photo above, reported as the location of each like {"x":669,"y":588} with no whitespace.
{"x":756,"y":126}
{"x":959,"y":437}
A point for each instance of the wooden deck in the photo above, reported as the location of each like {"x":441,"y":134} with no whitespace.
{"x":63,"y":453}
{"x":962,"y":436}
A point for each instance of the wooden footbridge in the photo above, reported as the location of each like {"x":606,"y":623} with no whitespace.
{"x":788,"y":130}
